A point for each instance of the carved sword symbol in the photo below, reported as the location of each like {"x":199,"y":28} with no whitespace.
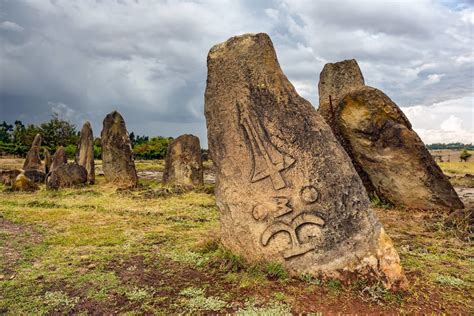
{"x":268,"y":161}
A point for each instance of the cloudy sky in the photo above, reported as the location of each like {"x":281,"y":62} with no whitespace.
{"x":147,"y":58}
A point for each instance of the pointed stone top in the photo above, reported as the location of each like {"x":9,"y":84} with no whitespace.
{"x":37,"y":140}
{"x":336,"y":80}
{"x":59,"y":158}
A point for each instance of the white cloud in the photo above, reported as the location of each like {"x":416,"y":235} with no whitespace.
{"x":11,"y":26}
{"x":147,"y":58}
{"x":433,"y":78}
{"x":62,"y":110}
{"x":444,"y":122}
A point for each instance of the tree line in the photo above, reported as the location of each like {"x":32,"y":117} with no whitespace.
{"x":453,"y":146}
{"x":16,"y":139}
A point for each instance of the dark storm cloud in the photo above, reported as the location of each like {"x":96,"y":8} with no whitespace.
{"x":147,"y":58}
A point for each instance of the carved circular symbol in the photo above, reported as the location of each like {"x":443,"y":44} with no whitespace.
{"x":259,"y":212}
{"x":309,"y":194}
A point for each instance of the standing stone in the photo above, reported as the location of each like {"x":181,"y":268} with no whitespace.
{"x":47,"y":161}
{"x":335,"y":81}
{"x":33,"y":159}
{"x":286,"y":190}
{"x":391,"y":159}
{"x":66,"y":175}
{"x":183,"y":161}
{"x":117,"y":154}
{"x":59,"y":158}
{"x":85,"y":152}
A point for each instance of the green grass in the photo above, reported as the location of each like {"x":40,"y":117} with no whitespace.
{"x":457,"y":167}
{"x":73,"y":250}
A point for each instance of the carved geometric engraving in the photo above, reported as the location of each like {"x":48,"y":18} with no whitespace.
{"x":277,"y":209}
{"x":297,"y":248}
{"x":267,"y":160}
{"x":309,"y":194}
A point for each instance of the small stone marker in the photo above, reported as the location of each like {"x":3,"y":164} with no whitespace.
{"x":286,"y":190}
{"x":66,"y":175}
{"x":33,"y":159}
{"x":117,"y":154}
{"x":23,"y":183}
{"x":85,"y":152}
{"x":7,"y":177}
{"x":183,"y":162}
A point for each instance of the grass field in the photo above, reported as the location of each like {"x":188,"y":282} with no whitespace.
{"x":152,"y":250}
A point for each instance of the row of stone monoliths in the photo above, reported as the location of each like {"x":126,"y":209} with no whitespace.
{"x":57,"y":171}
{"x":183,"y":161}
{"x":183,"y":158}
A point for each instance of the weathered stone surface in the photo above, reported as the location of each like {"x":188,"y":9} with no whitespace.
{"x":7,"y":177}
{"x":59,"y":158}
{"x":391,"y":159}
{"x":285,"y":188}
{"x":335,"y":80}
{"x":66,"y":175}
{"x":117,"y":154}
{"x":23,"y":183}
{"x":85,"y":152}
{"x":47,"y":161}
{"x":183,"y":161}
{"x":33,"y":159}
{"x":37,"y":176}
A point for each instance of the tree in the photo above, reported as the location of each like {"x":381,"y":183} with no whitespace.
{"x":5,"y":131}
{"x":58,"y":132}
{"x":155,"y":148}
{"x":465,"y":155}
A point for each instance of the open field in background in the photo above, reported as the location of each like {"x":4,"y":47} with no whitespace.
{"x":449,"y":155}
{"x":155,"y":250}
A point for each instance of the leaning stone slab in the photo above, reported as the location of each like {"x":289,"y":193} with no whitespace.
{"x":66,"y":175}
{"x":391,"y":159}
{"x":183,"y":162}
{"x":117,"y":154}
{"x":285,"y":188}
{"x":59,"y":158}
{"x":33,"y":159}
{"x":85,"y":152}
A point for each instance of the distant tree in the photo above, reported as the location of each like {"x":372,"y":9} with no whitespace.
{"x":454,"y":146}
{"x":465,"y":155}
{"x":5,"y":132}
{"x":97,"y":148}
{"x":70,"y":151}
{"x":58,"y":132}
{"x":155,"y":148}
